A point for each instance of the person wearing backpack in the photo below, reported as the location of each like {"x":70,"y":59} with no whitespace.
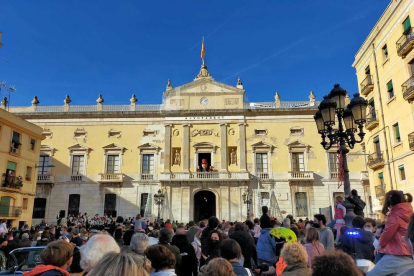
{"x":358,"y":202}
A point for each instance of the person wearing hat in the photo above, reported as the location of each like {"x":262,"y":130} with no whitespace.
{"x":204,"y":166}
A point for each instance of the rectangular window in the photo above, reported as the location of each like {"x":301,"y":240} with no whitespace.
{"x":148,"y":164}
{"x":144,"y":200}
{"x":77,"y":164}
{"x":396,"y":130}
{"x":402,"y":172}
{"x":10,"y":173}
{"x":73,"y":206}
{"x":333,"y":162}
{"x":298,"y":164}
{"x":110,"y":205}
{"x":377,"y":146}
{"x":25,"y":203}
{"x":32,"y":144}
{"x":15,"y":142}
{"x":28,"y":173}
{"x":261,"y":162}
{"x":39,"y":208}
{"x":411,"y":64}
{"x":367,"y":70}
{"x":407,"y":26}
{"x":112,"y":165}
{"x":390,"y":89}
{"x":43,"y":167}
{"x":301,"y":204}
{"x":385,"y":51}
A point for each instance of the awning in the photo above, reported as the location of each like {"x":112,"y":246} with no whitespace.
{"x":380,"y":175}
{"x":11,"y":166}
{"x":401,"y":168}
{"x":376,"y":139}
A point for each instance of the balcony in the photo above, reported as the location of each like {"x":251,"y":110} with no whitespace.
{"x":411,"y":140}
{"x":301,"y":176}
{"x":405,"y":43}
{"x":76,"y":178}
{"x":408,"y":89}
{"x":10,"y":211}
{"x":367,"y":85}
{"x":333,"y":175}
{"x":148,"y":176}
{"x":372,"y":120}
{"x":111,"y":178}
{"x":379,"y":191}
{"x":204,"y":176}
{"x":45,"y":179}
{"x":375,"y":160}
{"x":263,"y":175}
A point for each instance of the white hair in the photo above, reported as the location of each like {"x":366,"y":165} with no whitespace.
{"x":96,"y":247}
{"x":139,"y":242}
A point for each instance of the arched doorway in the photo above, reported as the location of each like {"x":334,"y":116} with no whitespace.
{"x":204,"y":205}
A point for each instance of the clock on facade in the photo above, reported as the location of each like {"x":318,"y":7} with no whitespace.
{"x":204,"y":101}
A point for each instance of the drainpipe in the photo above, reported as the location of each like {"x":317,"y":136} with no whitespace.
{"x":382,"y":115}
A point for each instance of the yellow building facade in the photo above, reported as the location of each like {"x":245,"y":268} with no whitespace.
{"x":203,"y":148}
{"x":19,"y":155}
{"x":385,"y":67}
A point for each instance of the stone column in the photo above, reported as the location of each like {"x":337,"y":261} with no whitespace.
{"x":186,"y":148}
{"x":242,"y":146}
{"x":223,"y":145}
{"x":167,"y":149}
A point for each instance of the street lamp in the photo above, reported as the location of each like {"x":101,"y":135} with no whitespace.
{"x":159,"y":200}
{"x":353,"y":117}
{"x":247,"y":199}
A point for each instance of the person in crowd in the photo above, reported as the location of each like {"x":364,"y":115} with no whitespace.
{"x":153,"y":236}
{"x":215,"y":239}
{"x":56,"y":258}
{"x":250,"y":227}
{"x":162,"y":260}
{"x":301,"y":224}
{"x":189,"y":262}
{"x":120,"y":264}
{"x":313,"y":246}
{"x":410,"y":244}
{"x":127,"y":236}
{"x":218,"y":267}
{"x":197,"y":246}
{"x":334,"y":263}
{"x":395,"y":255}
{"x":165,"y":239}
{"x":64,"y":232}
{"x":3,"y":227}
{"x":266,"y":245}
{"x":139,"y":243}
{"x":309,"y":224}
{"x":44,"y":239}
{"x":302,"y":236}
{"x":293,"y":261}
{"x":191,"y":231}
{"x":248,"y":247}
{"x":84,"y":235}
{"x":213,"y":223}
{"x":36,"y":237}
{"x":358,"y":242}
{"x":93,"y":251}
{"x":256,"y":230}
{"x":340,"y":213}
{"x":75,"y":237}
{"x":202,"y":225}
{"x":231,"y":251}
{"x":138,"y":223}
{"x":25,"y":241}
{"x":118,"y":237}
{"x":326,"y":236}
{"x":358,"y":202}
{"x":52,"y":231}
{"x":370,"y":225}
{"x":286,"y":223}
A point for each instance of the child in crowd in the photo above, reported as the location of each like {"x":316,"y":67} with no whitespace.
{"x":340,"y":212}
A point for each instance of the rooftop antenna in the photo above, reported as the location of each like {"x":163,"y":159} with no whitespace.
{"x":10,"y":89}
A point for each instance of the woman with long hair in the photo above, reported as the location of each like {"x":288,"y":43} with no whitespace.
{"x":121,"y":264}
{"x":313,"y":246}
{"x":213,"y":245}
{"x":217,"y":267}
{"x":395,"y":256}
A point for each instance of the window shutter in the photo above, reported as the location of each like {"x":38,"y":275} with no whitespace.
{"x":386,"y":51}
{"x":371,"y":101}
{"x":401,"y":168}
{"x":376,"y":139}
{"x":407,"y":25}
{"x":367,"y":70}
{"x":380,"y":175}
{"x":11,"y":166}
{"x":397,"y":131}
{"x":389,"y":86}
{"x":16,"y":138}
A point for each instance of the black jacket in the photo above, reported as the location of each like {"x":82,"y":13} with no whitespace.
{"x":188,"y":266}
{"x":359,"y":205}
{"x":204,"y":239}
{"x":246,"y":242}
{"x":360,"y":242}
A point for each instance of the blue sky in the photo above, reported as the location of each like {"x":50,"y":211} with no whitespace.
{"x":117,"y":48}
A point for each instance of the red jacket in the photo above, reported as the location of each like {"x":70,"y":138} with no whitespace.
{"x":391,"y":240}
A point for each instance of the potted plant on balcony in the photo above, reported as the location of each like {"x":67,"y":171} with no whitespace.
{"x":17,"y":184}
{"x":19,"y":211}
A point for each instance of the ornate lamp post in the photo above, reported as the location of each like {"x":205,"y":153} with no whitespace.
{"x":159,"y":200}
{"x":247,"y":199}
{"x":353,"y":117}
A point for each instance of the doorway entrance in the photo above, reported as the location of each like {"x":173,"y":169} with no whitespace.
{"x":204,"y":205}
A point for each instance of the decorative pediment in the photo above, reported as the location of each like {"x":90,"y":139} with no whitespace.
{"x":298,"y":145}
{"x":148,"y":147}
{"x":205,"y":147}
{"x":114,"y":148}
{"x":77,"y":148}
{"x":114,"y":133}
{"x":47,"y":150}
{"x":262,"y":146}
{"x":80,"y":133}
{"x":204,"y":85}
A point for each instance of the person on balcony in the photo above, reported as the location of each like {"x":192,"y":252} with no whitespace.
{"x":204,"y":166}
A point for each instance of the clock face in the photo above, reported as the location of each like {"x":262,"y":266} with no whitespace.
{"x":204,"y":101}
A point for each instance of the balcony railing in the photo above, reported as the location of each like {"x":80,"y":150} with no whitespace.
{"x":367,"y":85}
{"x":334,"y":175}
{"x":111,"y":178}
{"x":405,"y":43}
{"x":147,"y":176}
{"x":301,"y":175}
{"x":411,"y":140}
{"x":76,"y":178}
{"x":263,"y":175}
{"x":372,"y":120}
{"x":10,"y":211}
{"x":375,"y":160}
{"x":204,"y":176}
{"x":408,"y":89}
{"x":379,"y":191}
{"x":45,"y":179}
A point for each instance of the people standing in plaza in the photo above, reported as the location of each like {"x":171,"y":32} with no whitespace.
{"x":191,"y":231}
{"x":3,"y":227}
{"x":138,"y":223}
{"x":162,"y":260}
{"x":246,"y":242}
{"x":340,"y":213}
{"x":355,"y":199}
{"x":357,"y":242}
{"x":326,"y":236}
{"x":213,"y":223}
{"x":313,"y":246}
{"x":231,"y":251}
{"x":189,"y":262}
{"x":215,"y":239}
{"x":293,"y":261}
{"x":165,"y":238}
{"x":266,"y":244}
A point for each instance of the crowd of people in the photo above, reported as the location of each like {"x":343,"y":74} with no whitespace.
{"x":213,"y":247}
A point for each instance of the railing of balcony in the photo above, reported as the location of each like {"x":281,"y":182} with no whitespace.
{"x":10,"y":211}
{"x":366,"y":83}
{"x":372,"y":116}
{"x":205,"y":175}
{"x":411,"y":140}
{"x":334,"y":175}
{"x":45,"y":178}
{"x":408,"y":88}
{"x":76,"y":178}
{"x":262,"y":175}
{"x":375,"y":157}
{"x":404,"y":40}
{"x":111,"y":177}
{"x":301,"y":175}
{"x":379,"y":191}
{"x":147,"y":176}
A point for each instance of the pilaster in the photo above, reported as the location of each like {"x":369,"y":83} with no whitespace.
{"x":186,"y":147}
{"x":223,"y":143}
{"x":167,"y":149}
{"x":242,"y":146}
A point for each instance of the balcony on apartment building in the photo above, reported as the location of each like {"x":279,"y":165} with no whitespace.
{"x":367,"y":85}
{"x":375,"y":160}
{"x":405,"y":43}
{"x":372,"y":120}
{"x":408,"y":89}
{"x":300,"y":176}
{"x":379,"y":191}
{"x":204,"y":176}
{"x":76,"y":178}
{"x":10,"y":211}
{"x":111,"y":178}
{"x":411,"y":140}
{"x":45,"y":179}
